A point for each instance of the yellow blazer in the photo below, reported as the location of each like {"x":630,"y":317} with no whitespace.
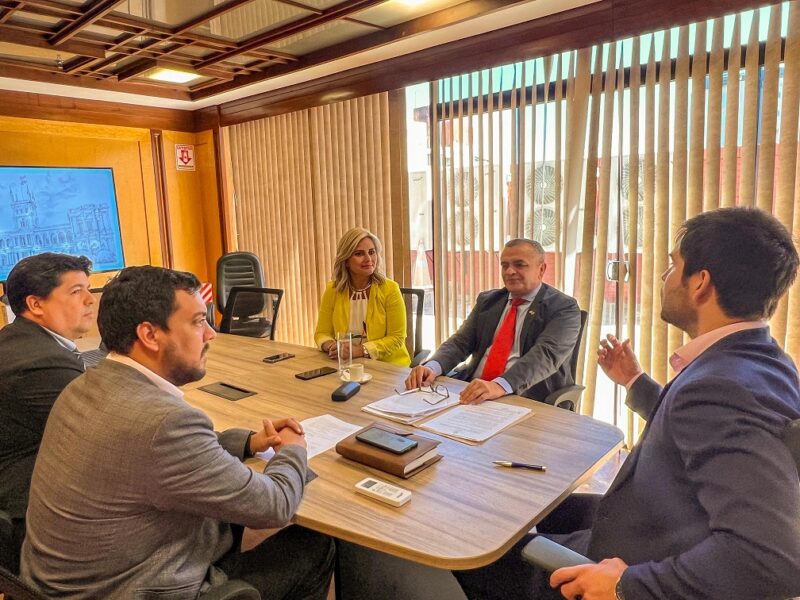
{"x":386,"y":321}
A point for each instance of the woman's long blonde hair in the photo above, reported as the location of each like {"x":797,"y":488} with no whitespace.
{"x":345,"y":248}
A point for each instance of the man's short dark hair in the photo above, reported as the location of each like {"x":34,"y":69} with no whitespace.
{"x":39,"y":275}
{"x":525,"y":241}
{"x":749,"y":254}
{"x":138,"y":295}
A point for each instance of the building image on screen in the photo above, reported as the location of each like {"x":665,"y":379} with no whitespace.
{"x":68,"y":210}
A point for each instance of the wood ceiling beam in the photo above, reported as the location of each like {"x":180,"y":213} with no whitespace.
{"x":10,"y":10}
{"x":36,"y":40}
{"x":89,"y":14}
{"x":441,"y":18}
{"x":86,"y":82}
{"x":333,"y":13}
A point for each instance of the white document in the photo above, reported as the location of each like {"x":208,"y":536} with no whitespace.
{"x":322,"y":434}
{"x":476,"y":422}
{"x":413,"y":404}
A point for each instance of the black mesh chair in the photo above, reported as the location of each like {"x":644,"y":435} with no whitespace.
{"x":414,"y":324}
{"x":242,"y":269}
{"x":252,"y":312}
{"x":569,"y":397}
{"x":547,"y":554}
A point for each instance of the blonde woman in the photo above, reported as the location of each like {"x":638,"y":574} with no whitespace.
{"x":361,"y":300}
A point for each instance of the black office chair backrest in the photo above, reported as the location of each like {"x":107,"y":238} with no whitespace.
{"x":12,"y":588}
{"x":237,"y":269}
{"x":791,"y":437}
{"x":252,"y":311}
{"x":576,"y":351}
{"x":414,"y":299}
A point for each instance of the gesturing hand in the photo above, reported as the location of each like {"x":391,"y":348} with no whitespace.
{"x":618,"y":360}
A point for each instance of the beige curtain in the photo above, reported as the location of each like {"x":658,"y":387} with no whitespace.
{"x":701,"y":130}
{"x":304,"y":178}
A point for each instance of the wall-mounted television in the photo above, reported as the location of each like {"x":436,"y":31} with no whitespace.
{"x":54,"y":209}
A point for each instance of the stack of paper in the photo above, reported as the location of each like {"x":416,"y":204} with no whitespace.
{"x":410,"y":407}
{"x":476,"y":423}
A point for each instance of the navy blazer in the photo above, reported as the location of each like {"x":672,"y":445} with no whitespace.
{"x":548,"y":335}
{"x":708,"y":503}
{"x":34,"y":368}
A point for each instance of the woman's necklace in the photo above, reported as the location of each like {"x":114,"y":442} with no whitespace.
{"x":360,"y":294}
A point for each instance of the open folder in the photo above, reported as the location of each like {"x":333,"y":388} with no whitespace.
{"x":411,"y":407}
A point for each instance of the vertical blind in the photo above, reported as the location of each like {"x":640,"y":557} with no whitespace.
{"x":601,"y":154}
{"x":301,"y":180}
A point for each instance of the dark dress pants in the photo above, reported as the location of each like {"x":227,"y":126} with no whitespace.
{"x":294,"y":564}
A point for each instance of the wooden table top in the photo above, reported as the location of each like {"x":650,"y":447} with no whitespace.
{"x":464,"y":513}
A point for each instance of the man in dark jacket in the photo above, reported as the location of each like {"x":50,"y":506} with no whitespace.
{"x":49,"y":294}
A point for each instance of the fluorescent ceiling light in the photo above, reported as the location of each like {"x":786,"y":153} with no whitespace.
{"x":171,"y":75}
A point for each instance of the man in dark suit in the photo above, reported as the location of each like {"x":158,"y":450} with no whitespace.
{"x":49,"y":294}
{"x":708,"y":503}
{"x":519,"y":338}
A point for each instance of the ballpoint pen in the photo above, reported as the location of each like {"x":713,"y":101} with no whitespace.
{"x":519,"y":465}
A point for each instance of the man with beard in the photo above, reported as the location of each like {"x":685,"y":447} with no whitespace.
{"x":133,"y":492}
{"x":707,"y":505}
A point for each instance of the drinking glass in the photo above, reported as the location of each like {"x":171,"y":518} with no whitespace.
{"x":344,"y":350}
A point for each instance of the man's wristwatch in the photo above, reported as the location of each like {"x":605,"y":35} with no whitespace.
{"x":618,"y":595}
{"x":366,"y":353}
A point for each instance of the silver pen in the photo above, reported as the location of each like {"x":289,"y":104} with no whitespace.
{"x":519,"y":465}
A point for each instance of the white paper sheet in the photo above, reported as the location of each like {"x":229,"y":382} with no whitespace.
{"x":476,"y":422}
{"x":322,"y":434}
{"x":414,"y":404}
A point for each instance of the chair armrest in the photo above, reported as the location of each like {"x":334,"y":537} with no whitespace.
{"x":233,"y":589}
{"x":568,"y":397}
{"x":547,"y":554}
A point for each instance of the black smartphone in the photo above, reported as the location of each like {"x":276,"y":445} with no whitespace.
{"x":314,"y":373}
{"x":387,"y":440}
{"x":277,"y":357}
{"x":227,"y":391}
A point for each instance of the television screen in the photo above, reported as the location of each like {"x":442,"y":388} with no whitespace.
{"x":67,"y":210}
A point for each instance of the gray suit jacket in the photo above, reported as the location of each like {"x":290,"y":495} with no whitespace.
{"x":133,"y":491}
{"x":34,"y":368}
{"x":548,"y":336}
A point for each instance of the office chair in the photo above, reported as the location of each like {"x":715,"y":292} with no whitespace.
{"x":414,"y":322}
{"x":252,"y":311}
{"x":7,"y":547}
{"x":569,"y":397}
{"x":13,"y":588}
{"x":549,"y":555}
{"x":237,"y":269}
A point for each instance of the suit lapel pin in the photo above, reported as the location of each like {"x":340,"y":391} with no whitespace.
{"x":532,"y":313}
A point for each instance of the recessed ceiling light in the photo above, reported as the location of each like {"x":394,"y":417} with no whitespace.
{"x":171,"y":75}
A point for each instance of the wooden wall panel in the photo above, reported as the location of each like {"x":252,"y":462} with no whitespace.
{"x":192,"y":196}
{"x":126,"y":150}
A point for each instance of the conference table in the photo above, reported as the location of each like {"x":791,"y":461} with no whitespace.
{"x":465,"y":512}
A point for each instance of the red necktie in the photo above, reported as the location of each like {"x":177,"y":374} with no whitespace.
{"x":501,"y":346}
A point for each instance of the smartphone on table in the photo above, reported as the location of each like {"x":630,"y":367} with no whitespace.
{"x":380,"y":438}
{"x":277,"y":357}
{"x":314,"y":373}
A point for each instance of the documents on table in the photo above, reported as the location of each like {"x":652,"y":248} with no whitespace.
{"x":473,"y":423}
{"x":322,"y":433}
{"x":410,"y":407}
